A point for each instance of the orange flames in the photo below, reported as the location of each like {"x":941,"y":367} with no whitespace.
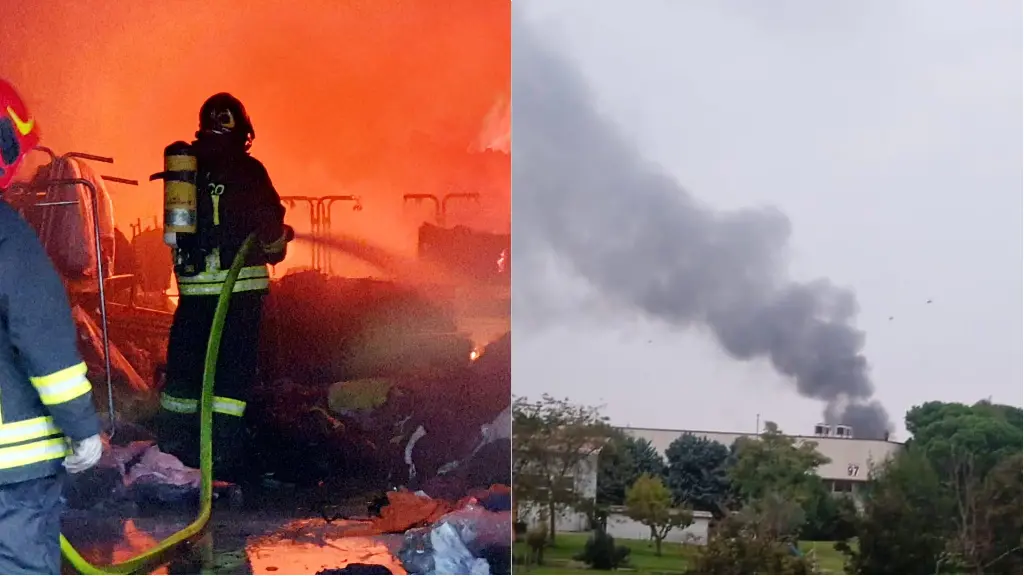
{"x":376,"y":99}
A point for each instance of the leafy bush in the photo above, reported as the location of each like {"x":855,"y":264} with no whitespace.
{"x":601,"y":553}
{"x":750,"y":544}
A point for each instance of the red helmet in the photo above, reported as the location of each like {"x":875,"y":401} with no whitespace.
{"x":18,"y":132}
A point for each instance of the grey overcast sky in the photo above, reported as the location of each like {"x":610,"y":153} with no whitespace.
{"x":887,"y":136}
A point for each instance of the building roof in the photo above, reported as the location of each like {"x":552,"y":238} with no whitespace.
{"x":850,"y":458}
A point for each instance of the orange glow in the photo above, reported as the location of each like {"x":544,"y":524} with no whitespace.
{"x":309,"y":546}
{"x":501,"y":261}
{"x":376,"y":99}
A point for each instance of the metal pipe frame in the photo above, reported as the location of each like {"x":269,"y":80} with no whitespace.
{"x":324,"y":205}
{"x":320,"y":224}
{"x":100,"y":280}
{"x":314,"y":222}
{"x":441,"y":204}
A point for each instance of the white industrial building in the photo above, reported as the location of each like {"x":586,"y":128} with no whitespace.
{"x":850,"y":459}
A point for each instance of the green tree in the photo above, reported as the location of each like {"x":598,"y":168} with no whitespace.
{"x":646,"y":459}
{"x":698,"y":473}
{"x":622,"y":460}
{"x":906,"y":519}
{"x":986,"y":523}
{"x":553,"y":443}
{"x":614,"y":470}
{"x":756,"y":540}
{"x":951,"y":503}
{"x":828,"y":516}
{"x":1001,"y":520}
{"x":649,"y":502}
{"x":775,"y":464}
{"x":942,"y":430}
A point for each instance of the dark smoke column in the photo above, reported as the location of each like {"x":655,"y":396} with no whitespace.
{"x":585,"y":194}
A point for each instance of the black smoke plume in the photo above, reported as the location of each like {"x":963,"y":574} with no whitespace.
{"x":584,"y":193}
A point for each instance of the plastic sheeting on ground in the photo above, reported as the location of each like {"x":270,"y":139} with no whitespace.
{"x":406,"y":510}
{"x":468,"y":540}
{"x":441,"y":538}
{"x":137,"y":473}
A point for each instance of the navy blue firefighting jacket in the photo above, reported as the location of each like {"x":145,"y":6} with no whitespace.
{"x":45,"y":397}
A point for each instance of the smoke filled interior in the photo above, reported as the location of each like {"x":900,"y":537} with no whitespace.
{"x":385,"y":128}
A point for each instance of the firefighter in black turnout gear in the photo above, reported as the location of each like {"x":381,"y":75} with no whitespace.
{"x":234,"y":198}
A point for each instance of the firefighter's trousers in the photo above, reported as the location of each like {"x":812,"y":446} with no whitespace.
{"x":236,"y":374}
{"x":30,"y":514}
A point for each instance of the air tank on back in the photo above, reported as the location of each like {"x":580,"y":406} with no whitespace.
{"x":180,"y":204}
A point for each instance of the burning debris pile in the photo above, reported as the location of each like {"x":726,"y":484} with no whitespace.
{"x":365,"y":384}
{"x":387,"y":394}
{"x":326,"y":329}
{"x":384,"y":397}
{"x":412,"y":534}
{"x":480,"y":256}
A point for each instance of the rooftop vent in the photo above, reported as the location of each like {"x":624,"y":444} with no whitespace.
{"x":843,"y":431}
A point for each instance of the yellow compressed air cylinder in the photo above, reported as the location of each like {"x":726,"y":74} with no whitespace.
{"x":179,"y":176}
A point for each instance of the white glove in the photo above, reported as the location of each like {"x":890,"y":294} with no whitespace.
{"x":84,"y":454}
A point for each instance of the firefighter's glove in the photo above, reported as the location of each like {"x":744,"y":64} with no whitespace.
{"x":84,"y":454}
{"x":278,"y":249}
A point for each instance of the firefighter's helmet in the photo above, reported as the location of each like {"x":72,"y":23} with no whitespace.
{"x":224,"y":115}
{"x":18,"y":132}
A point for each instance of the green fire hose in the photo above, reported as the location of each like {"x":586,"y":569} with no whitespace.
{"x":161,"y":553}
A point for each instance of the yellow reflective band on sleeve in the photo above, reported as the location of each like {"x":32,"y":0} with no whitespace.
{"x":33,"y":453}
{"x":31,"y":429}
{"x":210,"y":283}
{"x":62,"y":386}
{"x":178,"y":405}
{"x":228,"y":406}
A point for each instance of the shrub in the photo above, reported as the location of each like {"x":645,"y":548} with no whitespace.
{"x":601,"y":553}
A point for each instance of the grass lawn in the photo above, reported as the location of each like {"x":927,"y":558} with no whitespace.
{"x":674,"y":558}
{"x":830,"y":560}
{"x":558,"y":560}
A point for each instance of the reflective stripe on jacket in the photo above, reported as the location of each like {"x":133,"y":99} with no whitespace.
{"x":221,"y":405}
{"x":250,"y":279}
{"x":32,"y":445}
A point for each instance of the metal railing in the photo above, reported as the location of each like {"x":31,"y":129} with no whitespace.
{"x":27,"y":190}
{"x":320,"y":224}
{"x":441,"y":204}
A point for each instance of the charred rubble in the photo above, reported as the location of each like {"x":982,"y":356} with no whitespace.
{"x":354,"y":374}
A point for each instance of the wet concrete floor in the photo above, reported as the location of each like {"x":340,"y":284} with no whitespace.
{"x":264,"y":522}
